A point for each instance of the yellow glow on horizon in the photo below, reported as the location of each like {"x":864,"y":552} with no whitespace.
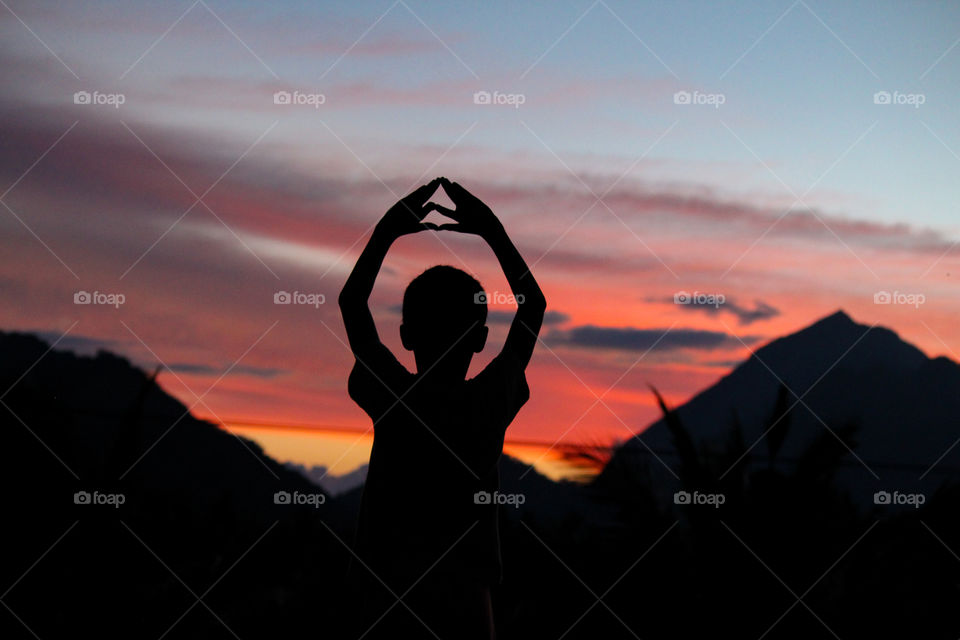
{"x":549,"y":462}
{"x":342,"y":451}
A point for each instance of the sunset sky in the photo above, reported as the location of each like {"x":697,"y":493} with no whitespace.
{"x":815,"y":164}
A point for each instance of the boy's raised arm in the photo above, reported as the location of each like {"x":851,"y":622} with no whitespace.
{"x":473,"y":216}
{"x":403,"y":218}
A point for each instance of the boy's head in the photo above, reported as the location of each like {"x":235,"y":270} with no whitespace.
{"x":444,"y":316}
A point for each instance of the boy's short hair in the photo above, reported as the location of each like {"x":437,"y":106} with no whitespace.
{"x":444,"y":296}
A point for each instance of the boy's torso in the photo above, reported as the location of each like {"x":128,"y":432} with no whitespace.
{"x":436,"y":446}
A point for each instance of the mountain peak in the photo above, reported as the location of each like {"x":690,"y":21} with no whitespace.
{"x":822,"y":345}
{"x":837,"y":322}
{"x":837,"y":317}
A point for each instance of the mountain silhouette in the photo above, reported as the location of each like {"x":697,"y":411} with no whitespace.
{"x":113,"y":424}
{"x":903,"y":407}
{"x":132,"y":503}
{"x":333,"y":484}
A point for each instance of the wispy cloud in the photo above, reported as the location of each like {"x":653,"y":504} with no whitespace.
{"x":201,"y":369}
{"x":635,"y":339}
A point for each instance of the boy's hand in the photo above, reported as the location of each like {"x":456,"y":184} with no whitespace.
{"x":407,"y":215}
{"x":471,"y":214}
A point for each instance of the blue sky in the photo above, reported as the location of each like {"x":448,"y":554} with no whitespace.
{"x":798,"y":79}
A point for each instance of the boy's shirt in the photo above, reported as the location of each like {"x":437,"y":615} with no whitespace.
{"x":434,"y":450}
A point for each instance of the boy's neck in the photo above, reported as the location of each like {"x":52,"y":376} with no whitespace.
{"x":449,"y":371}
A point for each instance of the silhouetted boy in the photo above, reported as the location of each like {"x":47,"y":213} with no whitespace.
{"x":427,"y":533}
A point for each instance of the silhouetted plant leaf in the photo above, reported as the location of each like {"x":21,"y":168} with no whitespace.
{"x":690,"y":467}
{"x":779,"y":423}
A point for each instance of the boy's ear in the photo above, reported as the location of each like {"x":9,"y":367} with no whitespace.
{"x":406,"y":337}
{"x":479,"y":339}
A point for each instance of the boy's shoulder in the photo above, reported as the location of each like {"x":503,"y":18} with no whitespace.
{"x":378,"y":374}
{"x":504,"y":382}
